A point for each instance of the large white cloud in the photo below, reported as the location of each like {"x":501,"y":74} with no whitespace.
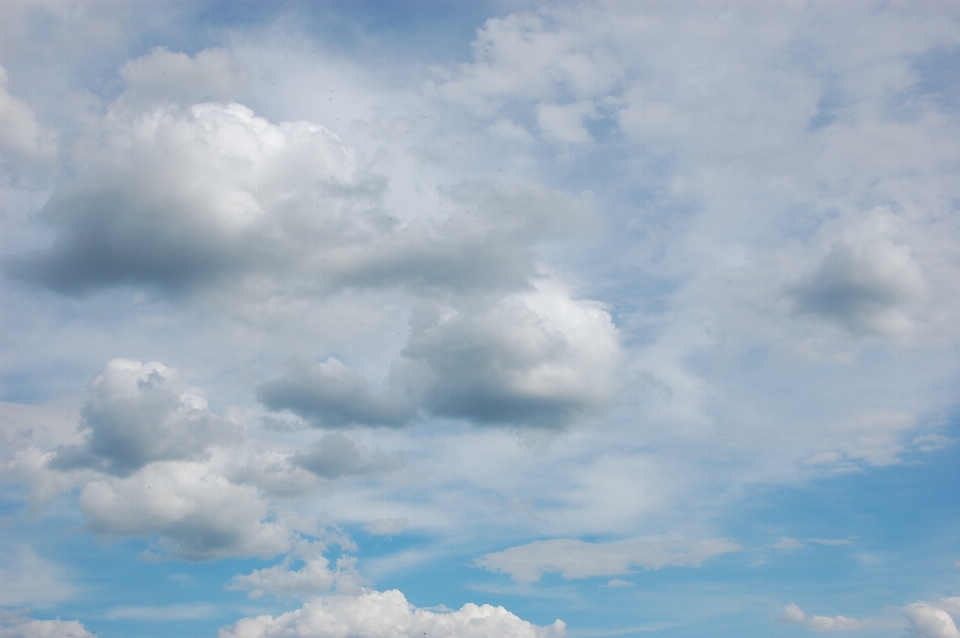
{"x":932,"y":621}
{"x":198,"y":514}
{"x":388,"y":615}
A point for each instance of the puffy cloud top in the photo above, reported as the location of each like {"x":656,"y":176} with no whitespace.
{"x":139,"y":413}
{"x":389,"y":615}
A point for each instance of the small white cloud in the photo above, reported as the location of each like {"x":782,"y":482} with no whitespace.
{"x":386,"y":526}
{"x":792,"y":614}
{"x":788,"y":543}
{"x":835,"y":623}
{"x":619,"y":582}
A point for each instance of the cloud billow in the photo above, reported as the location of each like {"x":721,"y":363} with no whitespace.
{"x":139,"y":413}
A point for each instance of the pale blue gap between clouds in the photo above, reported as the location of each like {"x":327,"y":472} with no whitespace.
{"x":722,"y":260}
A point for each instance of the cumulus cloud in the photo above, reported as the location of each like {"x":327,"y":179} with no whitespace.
{"x":139,"y":413}
{"x":863,"y":282}
{"x":931,"y":621}
{"x":314,"y":575}
{"x":538,"y":358}
{"x":177,"y":196}
{"x":574,"y":558}
{"x":198,"y":514}
{"x":388,"y":615}
{"x":46,"y":629}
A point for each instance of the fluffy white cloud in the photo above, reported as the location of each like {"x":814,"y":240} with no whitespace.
{"x":46,"y":629}
{"x":834,"y":623}
{"x":175,"y":195}
{"x":579,"y":559}
{"x":313,"y":577}
{"x":139,"y":413}
{"x":388,"y":615}
{"x":931,"y":621}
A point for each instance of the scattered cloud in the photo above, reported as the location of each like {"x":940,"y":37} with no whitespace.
{"x":574,"y":558}
{"x":388,"y":614}
{"x":386,"y":526}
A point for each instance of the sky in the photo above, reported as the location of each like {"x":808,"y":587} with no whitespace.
{"x":466,"y":319}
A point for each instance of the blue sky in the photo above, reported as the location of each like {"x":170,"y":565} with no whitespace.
{"x":480,"y":319}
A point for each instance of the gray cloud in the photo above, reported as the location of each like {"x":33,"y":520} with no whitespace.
{"x":863,"y":283}
{"x":139,"y":413}
{"x":329,"y":394}
{"x":540,"y":359}
{"x":337,"y":455}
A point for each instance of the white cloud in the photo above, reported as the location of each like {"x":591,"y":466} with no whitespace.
{"x":930,"y":621}
{"x":198,"y":514}
{"x":388,"y":615}
{"x":834,"y":623}
{"x":46,"y":629}
{"x":579,"y":559}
